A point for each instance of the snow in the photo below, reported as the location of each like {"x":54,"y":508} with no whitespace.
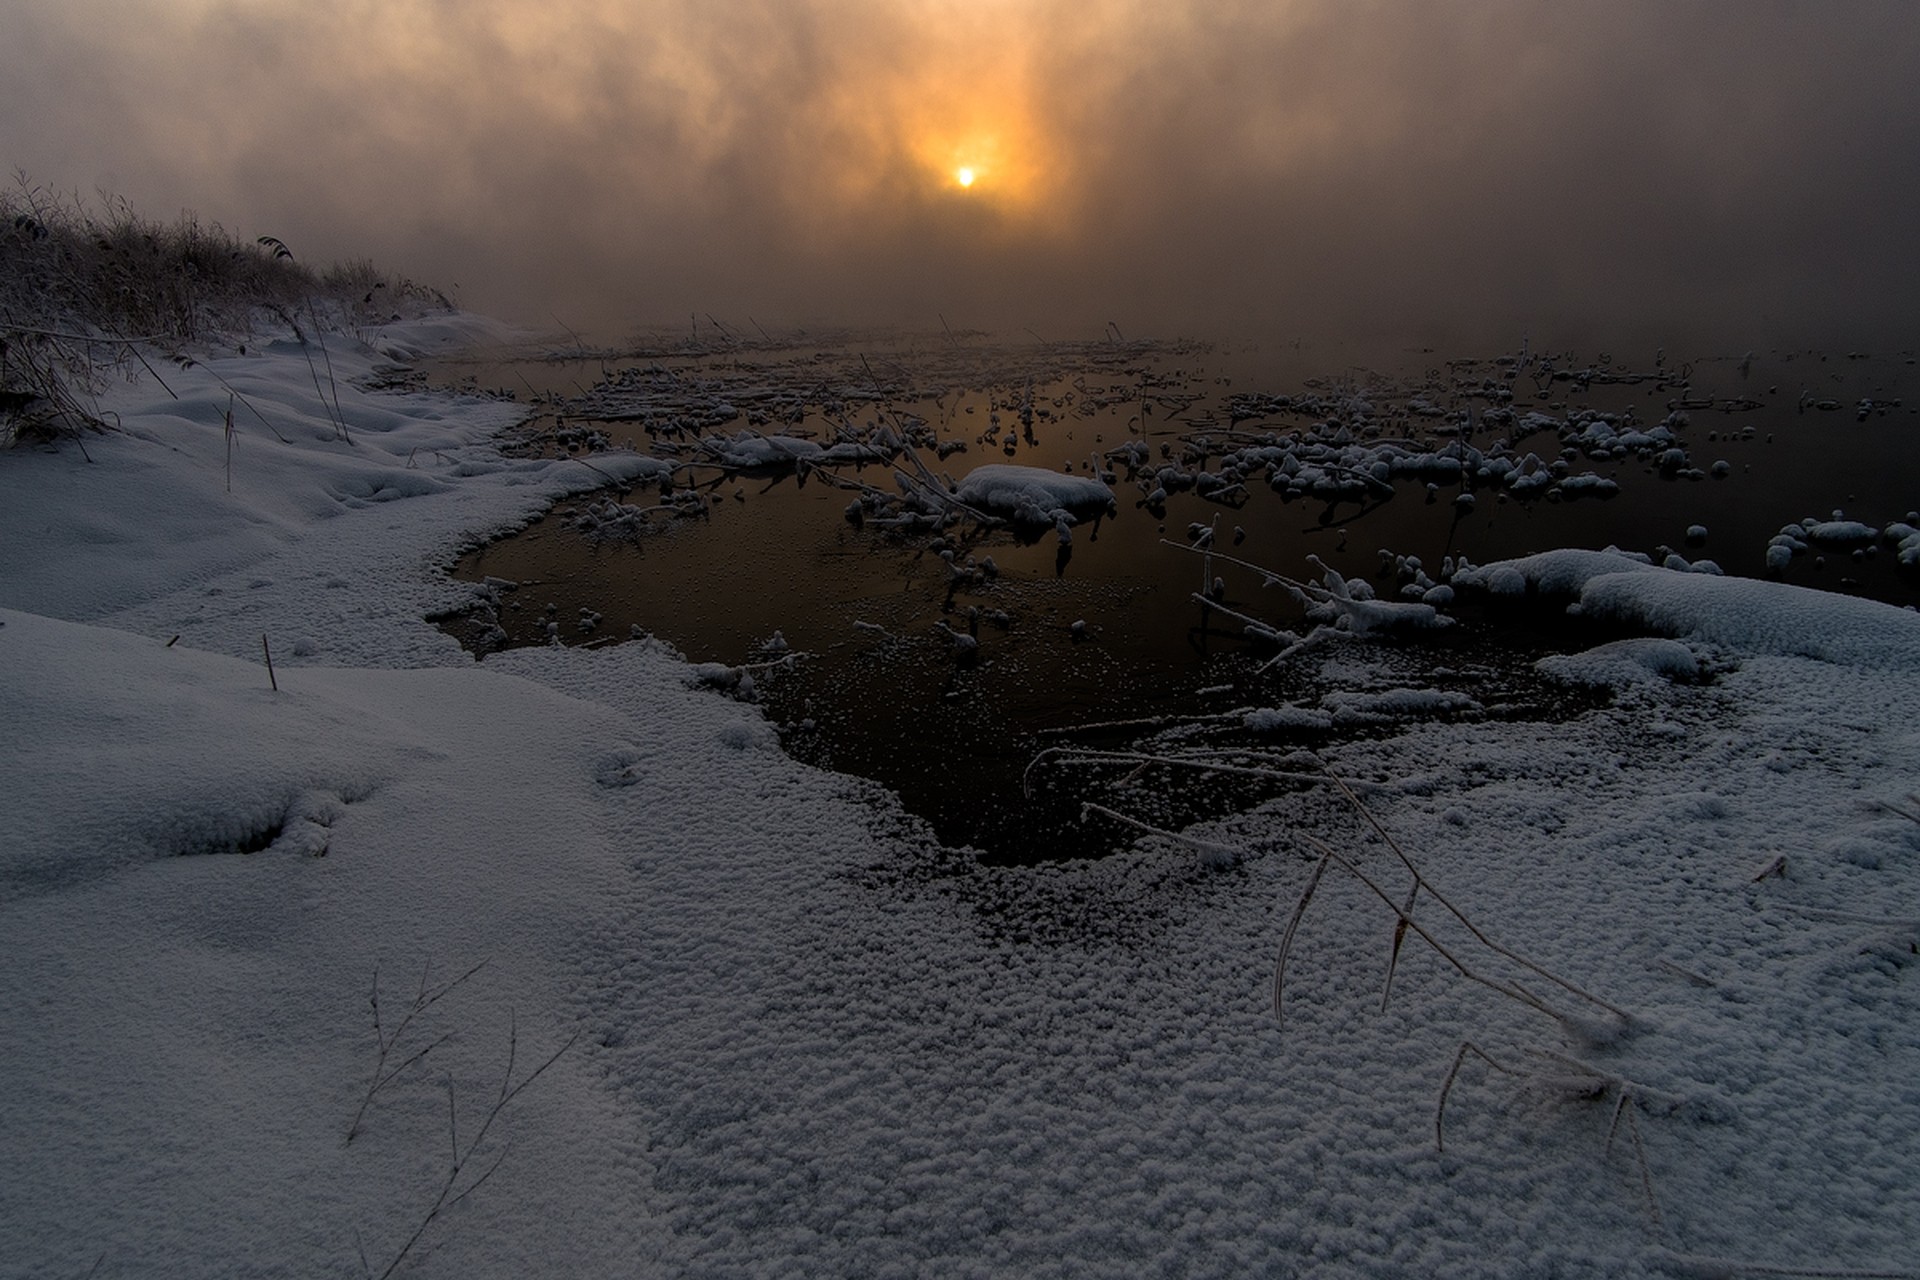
{"x":1555,"y":573}
{"x":1032,"y":494}
{"x":795,"y":1037}
{"x":1906,"y":541}
{"x":1741,"y":613}
{"x":1395,"y":704}
{"x":1838,"y":532}
{"x":1623,"y":663}
{"x":1349,"y":605}
{"x":749,"y":450}
{"x":1277,"y":719}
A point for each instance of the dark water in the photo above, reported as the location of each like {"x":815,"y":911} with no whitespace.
{"x":1105,"y":628}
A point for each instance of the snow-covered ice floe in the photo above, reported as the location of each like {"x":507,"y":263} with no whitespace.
{"x":777,"y":1030}
{"x":749,"y":450}
{"x":1032,"y":495}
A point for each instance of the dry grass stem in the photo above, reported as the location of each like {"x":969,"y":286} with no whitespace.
{"x":1453,"y":1075}
{"x":1421,"y":882}
{"x":1214,"y":850}
{"x":463,"y":1159}
{"x":387,"y":1043}
{"x":87,"y":289}
{"x":1080,"y":756}
{"x":1293,"y":926}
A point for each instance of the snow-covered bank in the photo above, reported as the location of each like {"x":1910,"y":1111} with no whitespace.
{"x":1744,"y":615}
{"x":799,"y":1040}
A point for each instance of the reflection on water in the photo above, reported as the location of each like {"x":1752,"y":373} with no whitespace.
{"x":940,"y":660}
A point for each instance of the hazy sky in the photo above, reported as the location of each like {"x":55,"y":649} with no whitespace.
{"x":1583,"y":170}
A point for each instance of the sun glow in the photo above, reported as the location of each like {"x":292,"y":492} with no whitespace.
{"x":937,"y":135}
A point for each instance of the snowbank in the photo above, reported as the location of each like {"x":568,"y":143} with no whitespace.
{"x":1740,"y":613}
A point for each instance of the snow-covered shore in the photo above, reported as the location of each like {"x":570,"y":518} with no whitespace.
{"x":793,"y":1037}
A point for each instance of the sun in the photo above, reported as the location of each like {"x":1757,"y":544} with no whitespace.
{"x":964,"y":176}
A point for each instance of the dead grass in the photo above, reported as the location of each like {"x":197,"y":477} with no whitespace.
{"x":91,"y":290}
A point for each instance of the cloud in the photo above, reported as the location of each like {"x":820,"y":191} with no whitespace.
{"x":1456,"y":171}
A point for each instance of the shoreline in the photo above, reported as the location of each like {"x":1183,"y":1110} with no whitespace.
{"x":795,"y":1035}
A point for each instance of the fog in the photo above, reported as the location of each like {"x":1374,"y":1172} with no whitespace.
{"x":1574,"y":171}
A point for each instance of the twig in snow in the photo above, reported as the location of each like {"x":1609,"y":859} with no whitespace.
{"x":422,"y":1001}
{"x":1213,"y":850}
{"x":1512,"y":990}
{"x":1592,"y":1083}
{"x":1911,"y":815}
{"x":1421,"y":881}
{"x":1453,"y":1074}
{"x":1079,"y":756}
{"x":447,"y":1199}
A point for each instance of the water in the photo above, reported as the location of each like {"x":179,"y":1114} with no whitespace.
{"x":1106,"y":628}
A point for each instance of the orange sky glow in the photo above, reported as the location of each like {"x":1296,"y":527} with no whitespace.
{"x":1237,"y":165}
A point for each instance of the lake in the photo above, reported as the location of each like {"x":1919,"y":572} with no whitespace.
{"x":939,"y":655}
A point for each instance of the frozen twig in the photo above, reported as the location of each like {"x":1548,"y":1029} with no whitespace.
{"x":1268,"y":578}
{"x":1138,"y":722}
{"x":1399,"y":936}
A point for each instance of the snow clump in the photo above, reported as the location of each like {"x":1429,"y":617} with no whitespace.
{"x":1032,"y":495}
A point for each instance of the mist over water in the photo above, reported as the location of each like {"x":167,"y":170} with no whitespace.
{"x":1456,"y":175}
